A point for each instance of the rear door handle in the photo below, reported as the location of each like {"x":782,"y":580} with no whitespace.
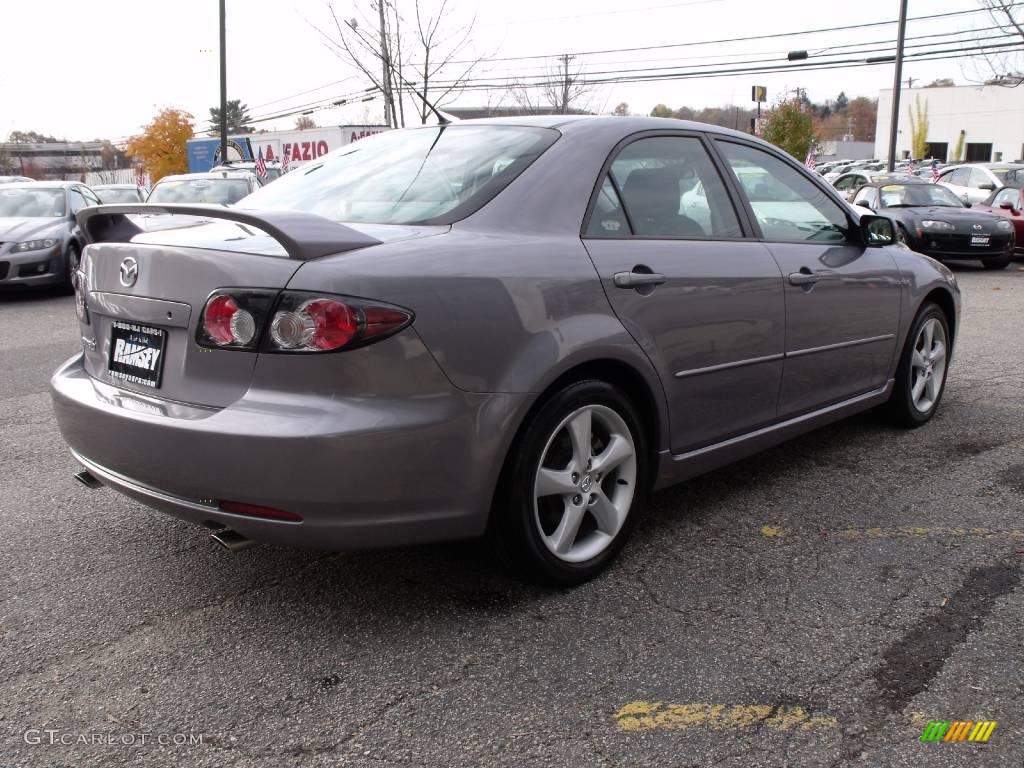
{"x":637,"y":279}
{"x":803,"y":277}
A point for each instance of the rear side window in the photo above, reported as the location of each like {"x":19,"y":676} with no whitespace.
{"x":958,"y":177}
{"x":787,"y":205}
{"x":665,"y":187}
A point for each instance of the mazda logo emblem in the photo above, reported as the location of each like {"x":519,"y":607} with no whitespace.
{"x":129,"y":272}
{"x":977,"y":226}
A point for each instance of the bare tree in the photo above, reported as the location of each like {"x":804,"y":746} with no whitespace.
{"x":401,"y":56}
{"x":999,"y":67}
{"x":560,"y":87}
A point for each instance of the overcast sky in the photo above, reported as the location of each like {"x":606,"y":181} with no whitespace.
{"x":102,"y":68}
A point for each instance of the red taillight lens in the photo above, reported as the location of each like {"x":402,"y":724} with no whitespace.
{"x":334,"y":323}
{"x":255,"y":510}
{"x":380,"y":321}
{"x":217,"y":318}
{"x":225,"y":323}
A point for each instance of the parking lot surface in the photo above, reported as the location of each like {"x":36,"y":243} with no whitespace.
{"x":816,"y":605}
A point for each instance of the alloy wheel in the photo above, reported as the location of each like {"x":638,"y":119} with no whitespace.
{"x":928,"y":365}
{"x":585,"y":483}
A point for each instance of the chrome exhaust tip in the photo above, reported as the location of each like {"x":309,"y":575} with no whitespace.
{"x":232,"y":541}
{"x":89,"y":480}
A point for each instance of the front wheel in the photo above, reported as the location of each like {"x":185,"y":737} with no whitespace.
{"x":70,"y":266}
{"x":1000,"y":262}
{"x":921,"y":375}
{"x":572,"y":487}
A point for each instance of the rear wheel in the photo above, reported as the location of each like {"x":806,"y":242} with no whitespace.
{"x":921,"y":376}
{"x":573,"y":486}
{"x":1000,"y":262}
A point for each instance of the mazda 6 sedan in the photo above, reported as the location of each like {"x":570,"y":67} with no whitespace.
{"x":512,"y":329}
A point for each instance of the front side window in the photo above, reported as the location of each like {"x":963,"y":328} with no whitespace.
{"x":959,"y":177}
{"x":867,"y":196}
{"x":669,"y":189}
{"x":434,"y":175}
{"x":786,"y":204}
{"x":77,"y":201}
{"x":1007,"y":195}
{"x":979,"y":177}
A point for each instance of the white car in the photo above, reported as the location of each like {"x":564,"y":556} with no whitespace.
{"x":849,"y":183}
{"x":974,"y":182}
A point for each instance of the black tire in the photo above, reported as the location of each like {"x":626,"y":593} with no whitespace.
{"x":70,"y":265}
{"x":515,"y":529}
{"x":901,"y":407}
{"x":1000,"y":262}
{"x":902,"y":236}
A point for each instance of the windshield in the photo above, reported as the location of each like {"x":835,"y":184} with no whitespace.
{"x":431,"y":175}
{"x":31,"y":203}
{"x":1010,"y":176}
{"x":199,"y":191}
{"x":109,"y":196}
{"x":899,"y":196}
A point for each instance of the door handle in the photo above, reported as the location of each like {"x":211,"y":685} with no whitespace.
{"x":637,"y":279}
{"x":803,"y":277}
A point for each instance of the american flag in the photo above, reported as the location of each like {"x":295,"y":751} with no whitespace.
{"x":935,"y":171}
{"x":285,"y":159}
{"x":140,"y":179}
{"x":810,"y":162}
{"x":912,"y":168}
{"x":261,"y":166}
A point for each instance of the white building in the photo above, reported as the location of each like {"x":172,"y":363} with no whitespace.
{"x":990,"y":117}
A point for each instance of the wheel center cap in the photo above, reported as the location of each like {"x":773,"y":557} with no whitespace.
{"x":586,"y":483}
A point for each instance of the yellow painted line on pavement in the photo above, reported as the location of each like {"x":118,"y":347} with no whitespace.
{"x":906,"y":531}
{"x":657,"y":715}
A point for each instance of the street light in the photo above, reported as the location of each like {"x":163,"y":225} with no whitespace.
{"x":896,"y":82}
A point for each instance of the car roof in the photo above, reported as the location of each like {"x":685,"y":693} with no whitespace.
{"x":603,"y":124}
{"x":116,"y":186}
{"x":47,"y":184}
{"x":239,"y":174}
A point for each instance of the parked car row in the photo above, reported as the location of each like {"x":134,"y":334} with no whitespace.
{"x":40,"y":244}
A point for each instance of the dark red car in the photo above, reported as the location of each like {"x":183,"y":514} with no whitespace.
{"x":1009,"y":203}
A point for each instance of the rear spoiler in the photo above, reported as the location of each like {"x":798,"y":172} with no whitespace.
{"x":303,"y":235}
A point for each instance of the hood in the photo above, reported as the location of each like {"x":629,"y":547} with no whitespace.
{"x":964,"y":219}
{"x":16,"y":230}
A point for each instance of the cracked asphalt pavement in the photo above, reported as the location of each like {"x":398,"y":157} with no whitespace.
{"x":816,"y":605}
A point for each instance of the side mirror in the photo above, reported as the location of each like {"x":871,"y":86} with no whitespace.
{"x":877,"y":231}
{"x":1006,"y":204}
{"x":988,"y":185}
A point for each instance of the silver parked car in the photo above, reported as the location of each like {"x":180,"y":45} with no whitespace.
{"x":506,"y":328}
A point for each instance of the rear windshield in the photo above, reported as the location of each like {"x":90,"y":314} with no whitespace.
{"x":199,"y":191}
{"x":1010,"y":176}
{"x":433,"y":175}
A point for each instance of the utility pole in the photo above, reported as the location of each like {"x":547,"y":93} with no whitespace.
{"x":385,"y":62}
{"x":897,"y":81}
{"x":566,"y":82}
{"x":223,"y":86}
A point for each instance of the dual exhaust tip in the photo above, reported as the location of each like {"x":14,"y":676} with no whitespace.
{"x":231,"y":540}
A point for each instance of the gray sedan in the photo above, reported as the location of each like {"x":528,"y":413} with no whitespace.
{"x":511,"y":329}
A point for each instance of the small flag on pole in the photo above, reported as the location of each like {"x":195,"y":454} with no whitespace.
{"x":140,"y":179}
{"x":285,"y":159}
{"x":935,"y":171}
{"x":261,"y":165}
{"x":810,"y":162}
{"x":912,"y":168}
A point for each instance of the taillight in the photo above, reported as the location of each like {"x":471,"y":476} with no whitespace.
{"x":304,"y":322}
{"x":238,"y":318}
{"x":231,"y":318}
{"x":81,"y":289}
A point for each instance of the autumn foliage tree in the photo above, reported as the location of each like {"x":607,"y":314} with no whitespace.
{"x":161,"y":145}
{"x":789,"y":126}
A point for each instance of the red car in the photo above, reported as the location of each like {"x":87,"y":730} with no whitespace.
{"x":1009,"y":203}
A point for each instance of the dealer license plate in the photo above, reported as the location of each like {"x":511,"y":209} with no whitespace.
{"x":136,"y":353}
{"x":979,"y":239}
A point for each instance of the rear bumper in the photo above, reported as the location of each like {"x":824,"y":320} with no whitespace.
{"x":361,"y":472}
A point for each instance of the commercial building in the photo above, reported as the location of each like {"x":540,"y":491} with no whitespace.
{"x":990,"y":119}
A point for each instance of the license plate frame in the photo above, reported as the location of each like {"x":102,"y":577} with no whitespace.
{"x":136,"y":353}
{"x":980,"y":240}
